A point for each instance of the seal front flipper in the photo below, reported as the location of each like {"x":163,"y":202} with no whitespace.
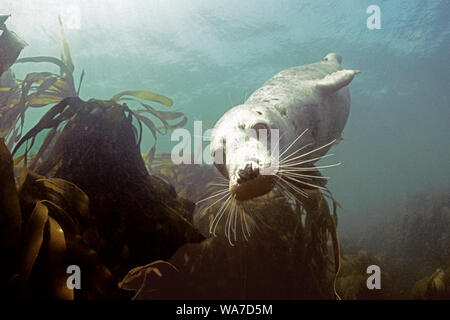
{"x":335,"y":81}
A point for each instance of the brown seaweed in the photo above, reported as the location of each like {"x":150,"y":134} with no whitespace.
{"x":10,"y":46}
{"x":86,"y":197}
{"x":286,"y":257}
{"x":433,"y":287}
{"x":10,"y":216}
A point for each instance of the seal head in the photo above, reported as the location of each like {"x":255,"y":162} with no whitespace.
{"x":242,"y":151}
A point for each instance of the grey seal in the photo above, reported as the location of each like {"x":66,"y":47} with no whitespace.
{"x":308,"y":106}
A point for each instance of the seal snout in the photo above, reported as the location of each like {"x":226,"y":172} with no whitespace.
{"x":251,"y":182}
{"x":248,"y":173}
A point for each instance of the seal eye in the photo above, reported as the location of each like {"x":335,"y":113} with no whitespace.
{"x":261,"y":130}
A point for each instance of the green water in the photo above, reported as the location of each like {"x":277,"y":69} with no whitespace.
{"x":210,"y":55}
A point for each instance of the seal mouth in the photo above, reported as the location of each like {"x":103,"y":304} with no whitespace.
{"x":252,"y":188}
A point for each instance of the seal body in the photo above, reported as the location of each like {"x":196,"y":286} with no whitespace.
{"x":311,"y":100}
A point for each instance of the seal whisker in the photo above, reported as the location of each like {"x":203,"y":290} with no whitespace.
{"x":288,"y":157}
{"x":231,"y":227}
{"x":206,"y":209}
{"x":305,"y":176}
{"x":224,"y":180}
{"x":289,"y":163}
{"x":311,"y":168}
{"x":218,"y":216}
{"x":245,"y":222}
{"x":293,"y":142}
{"x":219,"y":184}
{"x":287,"y":192}
{"x":225,"y":228}
{"x":231,"y":215}
{"x":306,"y":183}
{"x":279,"y":140}
{"x":295,"y":188}
{"x":289,"y":174}
{"x":213,"y":196}
{"x":234,"y":213}
{"x":228,"y":221}
{"x":291,"y":186}
{"x":228,"y":228}
{"x":317,"y":149}
{"x":241,"y":216}
{"x":284,"y":192}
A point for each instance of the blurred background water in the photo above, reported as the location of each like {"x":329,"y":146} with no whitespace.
{"x":209,"y":55}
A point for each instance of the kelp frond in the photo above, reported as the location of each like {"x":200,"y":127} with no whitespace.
{"x":37,"y":89}
{"x":40,"y":89}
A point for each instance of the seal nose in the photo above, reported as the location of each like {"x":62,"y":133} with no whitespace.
{"x":248,"y":173}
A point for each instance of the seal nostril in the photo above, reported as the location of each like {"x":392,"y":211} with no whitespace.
{"x":247,"y":173}
{"x":242,"y":174}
